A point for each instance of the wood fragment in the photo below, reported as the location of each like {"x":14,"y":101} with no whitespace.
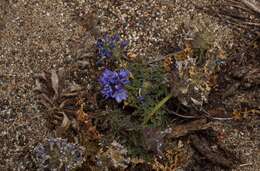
{"x":190,"y":127}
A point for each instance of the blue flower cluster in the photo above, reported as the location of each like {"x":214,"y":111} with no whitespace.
{"x":108,"y":44}
{"x":113,"y":82}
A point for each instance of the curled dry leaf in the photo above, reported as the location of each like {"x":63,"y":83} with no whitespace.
{"x":64,"y":103}
{"x":49,"y":86}
{"x":193,"y":75}
{"x":64,"y":125}
{"x":55,"y":84}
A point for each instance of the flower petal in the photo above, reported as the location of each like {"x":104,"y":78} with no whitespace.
{"x":107,"y":91}
{"x":115,"y":38}
{"x":120,"y":95}
{"x":123,"y":76}
{"x":100,"y":43}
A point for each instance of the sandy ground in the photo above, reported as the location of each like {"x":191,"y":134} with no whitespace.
{"x":41,"y":35}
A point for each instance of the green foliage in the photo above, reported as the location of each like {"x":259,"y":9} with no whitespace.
{"x":146,"y":91}
{"x":126,"y":129}
{"x":127,"y":123}
{"x":148,"y":87}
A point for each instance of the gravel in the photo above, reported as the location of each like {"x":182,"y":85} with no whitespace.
{"x":42,"y":35}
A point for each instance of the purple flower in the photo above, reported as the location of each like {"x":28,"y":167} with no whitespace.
{"x":120,"y":95}
{"x":113,"y":82}
{"x":115,"y":38}
{"x":108,"y":77}
{"x":100,"y":43}
{"x":107,"y":91}
{"x":107,"y":44}
{"x":123,"y":76}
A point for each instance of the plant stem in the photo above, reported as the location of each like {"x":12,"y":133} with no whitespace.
{"x":156,"y":108}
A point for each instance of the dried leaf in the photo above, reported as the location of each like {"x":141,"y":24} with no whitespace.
{"x":131,"y":55}
{"x":237,"y":115}
{"x":46,"y":101}
{"x":59,"y":98}
{"x":66,"y":122}
{"x":64,"y":125}
{"x":38,"y":86}
{"x":55,"y":83}
{"x":50,"y":87}
{"x":84,"y":118}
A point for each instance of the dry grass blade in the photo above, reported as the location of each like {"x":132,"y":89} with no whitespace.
{"x":241,"y":15}
{"x":253,"y":76}
{"x":253,"y":4}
